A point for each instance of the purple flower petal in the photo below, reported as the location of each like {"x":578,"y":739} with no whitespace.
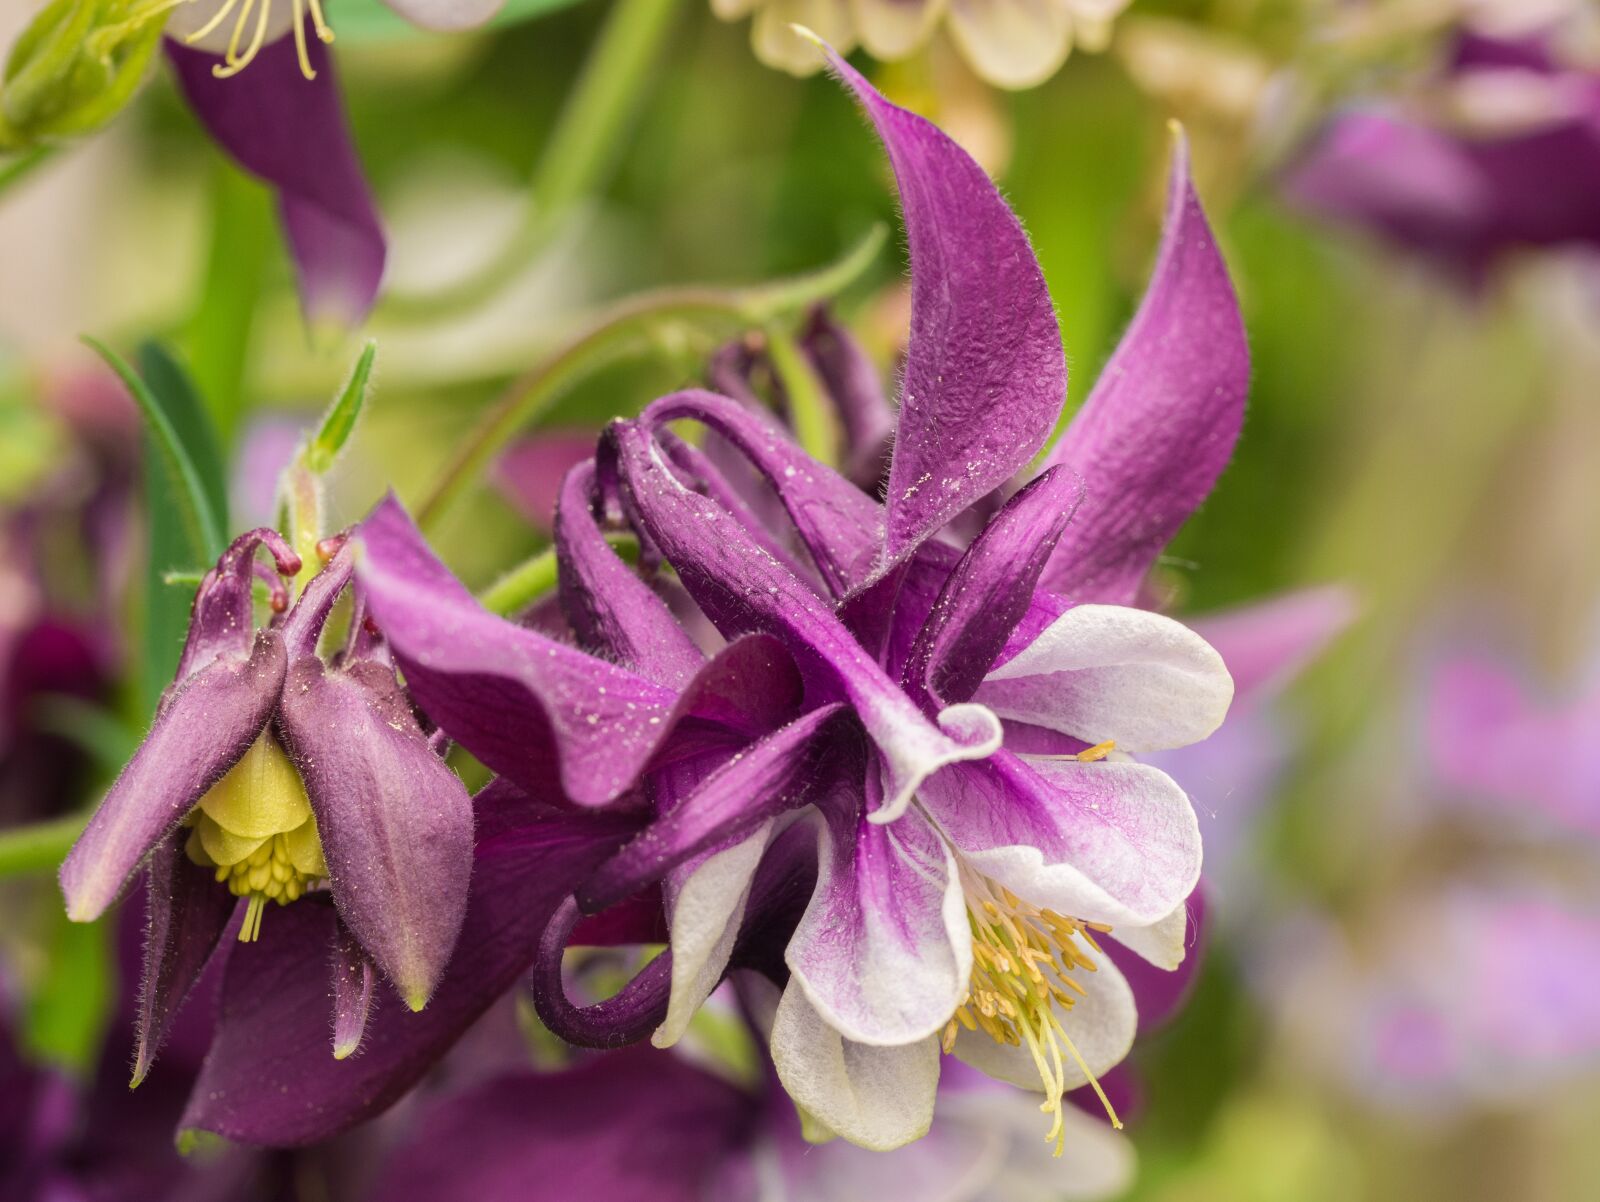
{"x":292,"y":133}
{"x":1160,"y":993}
{"x":989,"y":592}
{"x":856,"y":390}
{"x":269,"y":1078}
{"x":883,"y":952}
{"x":352,"y":992}
{"x":610,"y":609}
{"x":187,"y":912}
{"x":222,"y":618}
{"x":1267,"y":644}
{"x":1162,"y":420}
{"x":985,"y":374}
{"x":208,"y":721}
{"x":1106,"y":842}
{"x":741,"y":588}
{"x":633,"y":1126}
{"x":395,"y":821}
{"x":531,"y":471}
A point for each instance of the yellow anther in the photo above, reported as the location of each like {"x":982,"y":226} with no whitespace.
{"x":1098,"y":752}
{"x":236,"y":59}
{"x":1023,"y":961}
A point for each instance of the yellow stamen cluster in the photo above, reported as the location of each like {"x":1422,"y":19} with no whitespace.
{"x":237,"y":58}
{"x":1022,"y":982}
{"x":256,"y":829}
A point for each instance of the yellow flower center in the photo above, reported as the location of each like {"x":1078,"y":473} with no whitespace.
{"x":256,"y":829}
{"x":1024,"y":966}
{"x":249,"y":36}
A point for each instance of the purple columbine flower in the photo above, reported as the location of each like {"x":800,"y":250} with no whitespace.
{"x":270,"y":775}
{"x":943,"y":852}
{"x":1500,"y":153}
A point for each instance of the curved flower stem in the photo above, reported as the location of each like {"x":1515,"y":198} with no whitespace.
{"x":620,"y":330}
{"x":581,"y":149}
{"x":20,"y":167}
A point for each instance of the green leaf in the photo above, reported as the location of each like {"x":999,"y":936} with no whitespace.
{"x":341,"y":417}
{"x":371,"y":21}
{"x":185,"y":500}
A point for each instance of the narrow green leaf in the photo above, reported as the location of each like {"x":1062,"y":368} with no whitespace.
{"x":340,"y":420}
{"x":202,"y":522}
{"x":191,"y":417}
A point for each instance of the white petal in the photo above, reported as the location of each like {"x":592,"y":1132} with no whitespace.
{"x":893,"y":29}
{"x":1163,"y":943}
{"x":1098,"y":1162}
{"x":779,"y":46}
{"x":1101,"y":1026}
{"x":880,"y":1098}
{"x":706,"y":909}
{"x":1012,"y":43}
{"x":443,"y":15}
{"x":1102,"y":672}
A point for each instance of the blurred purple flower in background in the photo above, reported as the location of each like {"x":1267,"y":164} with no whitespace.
{"x":1498,"y":153}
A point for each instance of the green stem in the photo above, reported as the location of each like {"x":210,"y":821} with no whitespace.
{"x":533,"y":578}
{"x":816,"y":428}
{"x":588,"y":134}
{"x":40,"y":847}
{"x":615,"y":333}
{"x":24,"y":165}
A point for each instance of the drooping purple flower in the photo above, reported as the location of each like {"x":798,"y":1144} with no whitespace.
{"x":1501,"y":153}
{"x":274,"y":771}
{"x":291,"y":132}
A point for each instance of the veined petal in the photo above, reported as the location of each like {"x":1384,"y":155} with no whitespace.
{"x":884,"y":950}
{"x":292,"y":133}
{"x":395,"y":821}
{"x":1101,"y":1026}
{"x":1163,"y":418}
{"x":989,"y":592}
{"x":1163,"y":943}
{"x":741,"y":588}
{"x":1108,"y":672}
{"x":446,"y":15}
{"x":525,"y":705}
{"x":985,"y":373}
{"x":840,"y":526}
{"x":1106,"y":842}
{"x":1266,"y":644}
{"x":207,"y":722}
{"x":186,"y":914}
{"x":878,"y":1097}
{"x":286,"y":1090}
{"x":611,"y":610}
{"x":707,"y":902}
{"x":632,"y":1126}
{"x":1012,"y":43}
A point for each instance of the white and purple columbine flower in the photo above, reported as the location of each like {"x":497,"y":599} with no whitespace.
{"x":270,"y":775}
{"x":976,"y":841}
{"x":1501,"y":153}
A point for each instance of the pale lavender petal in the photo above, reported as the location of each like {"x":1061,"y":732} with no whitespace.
{"x":634,"y":1126}
{"x":395,"y":821}
{"x":208,"y":721}
{"x":1163,"y":418}
{"x":1106,"y":842}
{"x":611,"y":610}
{"x":741,"y":588}
{"x":352,"y":992}
{"x":269,"y":1078}
{"x":1267,"y":644}
{"x":989,"y":592}
{"x":186,"y":914}
{"x":292,"y":133}
{"x":985,"y":374}
{"x":883,"y":952}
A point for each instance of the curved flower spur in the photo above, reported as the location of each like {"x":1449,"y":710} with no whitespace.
{"x":271,"y":775}
{"x":964,"y":886}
